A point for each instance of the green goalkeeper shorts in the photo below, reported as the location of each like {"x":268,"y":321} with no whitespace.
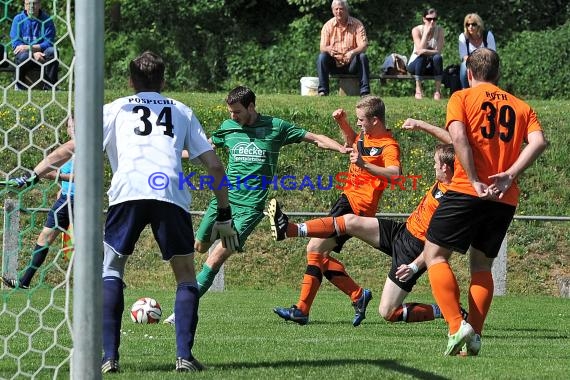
{"x":245,"y":220}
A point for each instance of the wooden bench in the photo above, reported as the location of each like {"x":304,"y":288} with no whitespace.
{"x":349,"y":84}
{"x":385,"y":77}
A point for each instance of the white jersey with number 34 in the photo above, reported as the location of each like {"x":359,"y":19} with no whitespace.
{"x":144,"y":135}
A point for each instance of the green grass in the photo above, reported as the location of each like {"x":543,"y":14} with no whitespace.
{"x":239,"y":337}
{"x":537,"y":250}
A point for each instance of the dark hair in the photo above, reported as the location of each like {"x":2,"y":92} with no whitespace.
{"x":430,"y":11}
{"x":147,"y":72}
{"x":446,"y":154}
{"x":484,"y":64}
{"x":241,"y":94}
{"x":372,"y":106}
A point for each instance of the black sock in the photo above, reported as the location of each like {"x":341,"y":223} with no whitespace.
{"x":38,"y":257}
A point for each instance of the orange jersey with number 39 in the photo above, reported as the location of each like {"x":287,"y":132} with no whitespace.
{"x":497,"y":124}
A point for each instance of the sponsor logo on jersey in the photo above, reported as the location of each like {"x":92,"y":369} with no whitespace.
{"x":248,"y":151}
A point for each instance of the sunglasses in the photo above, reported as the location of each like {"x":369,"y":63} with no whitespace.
{"x":431,"y":18}
{"x":473,"y":24}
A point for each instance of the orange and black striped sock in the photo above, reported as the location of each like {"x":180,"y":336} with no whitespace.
{"x":292,"y":230}
{"x":446,"y":293}
{"x":480,"y":298}
{"x":311,"y":282}
{"x":335,"y":272}
{"x":413,"y":312}
{"x":322,"y":227}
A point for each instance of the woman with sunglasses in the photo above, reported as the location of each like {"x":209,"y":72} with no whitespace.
{"x":473,"y":37}
{"x":426,"y":58}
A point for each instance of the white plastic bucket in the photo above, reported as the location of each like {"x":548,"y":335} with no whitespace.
{"x":309,"y":86}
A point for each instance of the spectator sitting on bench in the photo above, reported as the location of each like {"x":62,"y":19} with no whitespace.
{"x":33,"y":33}
{"x":426,"y":58}
{"x":473,"y":37}
{"x":343,"y":43}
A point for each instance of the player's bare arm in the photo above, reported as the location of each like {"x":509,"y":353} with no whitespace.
{"x":325,"y":142}
{"x":57,"y":175}
{"x":348,"y":133}
{"x":464,"y":154}
{"x":406,"y":271}
{"x":439,"y":133}
{"x":55,"y":159}
{"x":378,"y":171}
{"x":503,"y":181}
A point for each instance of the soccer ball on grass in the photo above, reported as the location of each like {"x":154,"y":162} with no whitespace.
{"x":146,"y":310}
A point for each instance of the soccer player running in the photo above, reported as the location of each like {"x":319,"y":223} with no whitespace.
{"x":374,"y":160}
{"x":488,"y":127}
{"x":253,"y":142}
{"x":136,"y":130}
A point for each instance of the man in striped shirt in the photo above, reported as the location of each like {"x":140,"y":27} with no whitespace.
{"x":342,"y":49}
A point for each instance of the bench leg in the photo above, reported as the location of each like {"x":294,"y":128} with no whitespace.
{"x":348,"y":87}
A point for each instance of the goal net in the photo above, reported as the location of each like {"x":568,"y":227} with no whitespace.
{"x":35,"y":324}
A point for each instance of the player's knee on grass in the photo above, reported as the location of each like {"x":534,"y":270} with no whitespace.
{"x":388,"y":313}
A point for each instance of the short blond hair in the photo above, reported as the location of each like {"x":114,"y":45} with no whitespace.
{"x":372,"y":106}
{"x":473,"y":18}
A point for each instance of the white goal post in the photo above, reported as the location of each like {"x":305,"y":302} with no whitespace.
{"x":38,"y":336}
{"x":87,"y":291}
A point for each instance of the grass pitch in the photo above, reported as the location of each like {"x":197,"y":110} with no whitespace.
{"x":239,"y":337}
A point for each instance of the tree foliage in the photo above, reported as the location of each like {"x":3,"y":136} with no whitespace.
{"x":212,"y":44}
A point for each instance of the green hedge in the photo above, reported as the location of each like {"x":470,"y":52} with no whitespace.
{"x":535,"y":64}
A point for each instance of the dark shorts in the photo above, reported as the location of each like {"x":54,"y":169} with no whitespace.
{"x":58,"y":217}
{"x":403,"y":247}
{"x":171,"y":226}
{"x":341,"y":207}
{"x":463,"y":220}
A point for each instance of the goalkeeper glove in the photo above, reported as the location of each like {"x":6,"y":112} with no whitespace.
{"x":224,"y":230}
{"x":24,"y":181}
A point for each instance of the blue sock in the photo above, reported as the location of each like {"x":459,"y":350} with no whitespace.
{"x":114,"y":304}
{"x":38,"y":257}
{"x":186,"y":310}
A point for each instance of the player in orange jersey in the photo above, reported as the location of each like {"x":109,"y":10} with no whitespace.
{"x":489,"y":128}
{"x":374,"y":160}
{"x":403,"y":242}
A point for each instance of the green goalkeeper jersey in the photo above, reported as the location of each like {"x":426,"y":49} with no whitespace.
{"x":253,"y":155}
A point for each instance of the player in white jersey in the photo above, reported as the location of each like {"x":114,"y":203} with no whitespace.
{"x":144,"y":136}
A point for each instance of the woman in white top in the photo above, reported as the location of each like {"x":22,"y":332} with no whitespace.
{"x":426,"y":57}
{"x":473,"y":37}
